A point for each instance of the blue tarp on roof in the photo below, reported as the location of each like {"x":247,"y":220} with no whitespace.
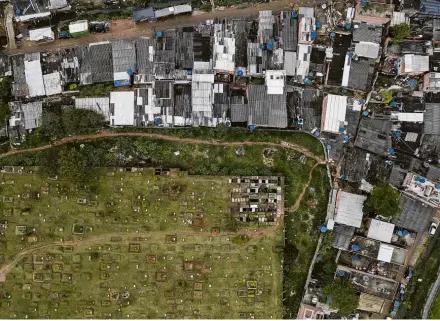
{"x":122,"y":83}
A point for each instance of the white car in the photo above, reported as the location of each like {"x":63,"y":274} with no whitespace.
{"x":432,"y":229}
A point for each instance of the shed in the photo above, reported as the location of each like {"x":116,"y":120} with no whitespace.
{"x":99,"y":105}
{"x":349,"y":208}
{"x":52,"y":83}
{"x":334,"y":108}
{"x":41,"y":34}
{"x":143,"y":14}
{"x":385,"y":253}
{"x":164,"y":12}
{"x":182,"y":8}
{"x":34,"y":75}
{"x":79,"y":28}
{"x":381,"y":231}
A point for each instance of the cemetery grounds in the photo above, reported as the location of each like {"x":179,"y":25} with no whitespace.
{"x":134,"y":244}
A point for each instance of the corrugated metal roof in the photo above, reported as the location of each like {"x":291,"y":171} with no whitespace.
{"x":124,"y":59}
{"x":100,"y":105}
{"x":333,"y":113}
{"x":349,"y":209}
{"x":431,"y":125}
{"x":266,"y":110}
{"x":361,"y":74}
{"x":365,"y":32}
{"x":143,"y":14}
{"x":416,"y":63}
{"x":415,"y":215}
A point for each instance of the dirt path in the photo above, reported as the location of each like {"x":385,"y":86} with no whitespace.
{"x":106,"y":134}
{"x":300,"y":197}
{"x":106,"y":237}
{"x":127,"y":29}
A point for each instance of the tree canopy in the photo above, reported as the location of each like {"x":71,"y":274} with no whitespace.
{"x":73,"y":165}
{"x":342,"y":296}
{"x":400,"y":32}
{"x":81,"y":121}
{"x":5,"y":97}
{"x":383,"y":200}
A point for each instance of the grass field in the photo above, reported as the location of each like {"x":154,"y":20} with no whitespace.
{"x":302,"y":226}
{"x":129,"y":247}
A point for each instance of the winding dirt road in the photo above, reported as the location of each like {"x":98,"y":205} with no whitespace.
{"x":107,"y":134}
{"x":4,"y":270}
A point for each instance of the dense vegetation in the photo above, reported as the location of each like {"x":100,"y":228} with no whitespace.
{"x":5,"y":97}
{"x":383,"y":200}
{"x":342,"y":296}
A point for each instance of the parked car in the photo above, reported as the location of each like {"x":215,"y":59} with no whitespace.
{"x":432,"y":229}
{"x":64,"y":35}
{"x":99,"y":27}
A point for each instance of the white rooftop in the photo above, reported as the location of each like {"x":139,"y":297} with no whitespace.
{"x":385,"y":253}
{"x":416,"y":63}
{"x":367,"y":49}
{"x":334,"y":109}
{"x":122,"y":103}
{"x":34,"y":78}
{"x":52,"y":83}
{"x":349,"y":209}
{"x":408,"y":117}
{"x":41,"y":34}
{"x":381,"y":231}
{"x":275,"y":81}
{"x":78,"y":26}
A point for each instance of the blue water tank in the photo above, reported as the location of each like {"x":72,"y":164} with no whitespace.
{"x":437,"y":186}
{"x":412,"y":83}
{"x":422,"y":180}
{"x":157,"y":121}
{"x":251,"y":128}
{"x":18,"y":12}
{"x":399,"y":233}
{"x":364,"y":4}
{"x":397,"y":133}
{"x":365,"y":113}
{"x":345,"y":139}
{"x":158,"y":34}
{"x":240,"y":73}
{"x":228,"y":123}
{"x":130,"y":71}
{"x":341,"y":273}
{"x":332,"y":34}
{"x":307,"y":81}
{"x":294,"y":14}
{"x":342,"y":177}
{"x":341,"y":129}
{"x":313,"y":35}
{"x":350,"y":54}
{"x":347,"y":26}
{"x":405,"y":233}
{"x":393,"y":103}
{"x":323,"y":229}
{"x":355,"y":247}
{"x":190,"y":73}
{"x":317,"y":133}
{"x":318,"y":25}
{"x":269,"y":46}
{"x":391,"y":150}
{"x":356,"y":257}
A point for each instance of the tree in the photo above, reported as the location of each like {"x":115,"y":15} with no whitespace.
{"x":51,"y":125}
{"x":383,"y":200}
{"x":81,"y":121}
{"x":400,"y":32}
{"x":49,"y":162}
{"x":387,"y":96}
{"x":342,"y":296}
{"x":5,"y":97}
{"x":73,"y":166}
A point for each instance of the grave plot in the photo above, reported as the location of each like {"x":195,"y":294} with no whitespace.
{"x":144,"y":246}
